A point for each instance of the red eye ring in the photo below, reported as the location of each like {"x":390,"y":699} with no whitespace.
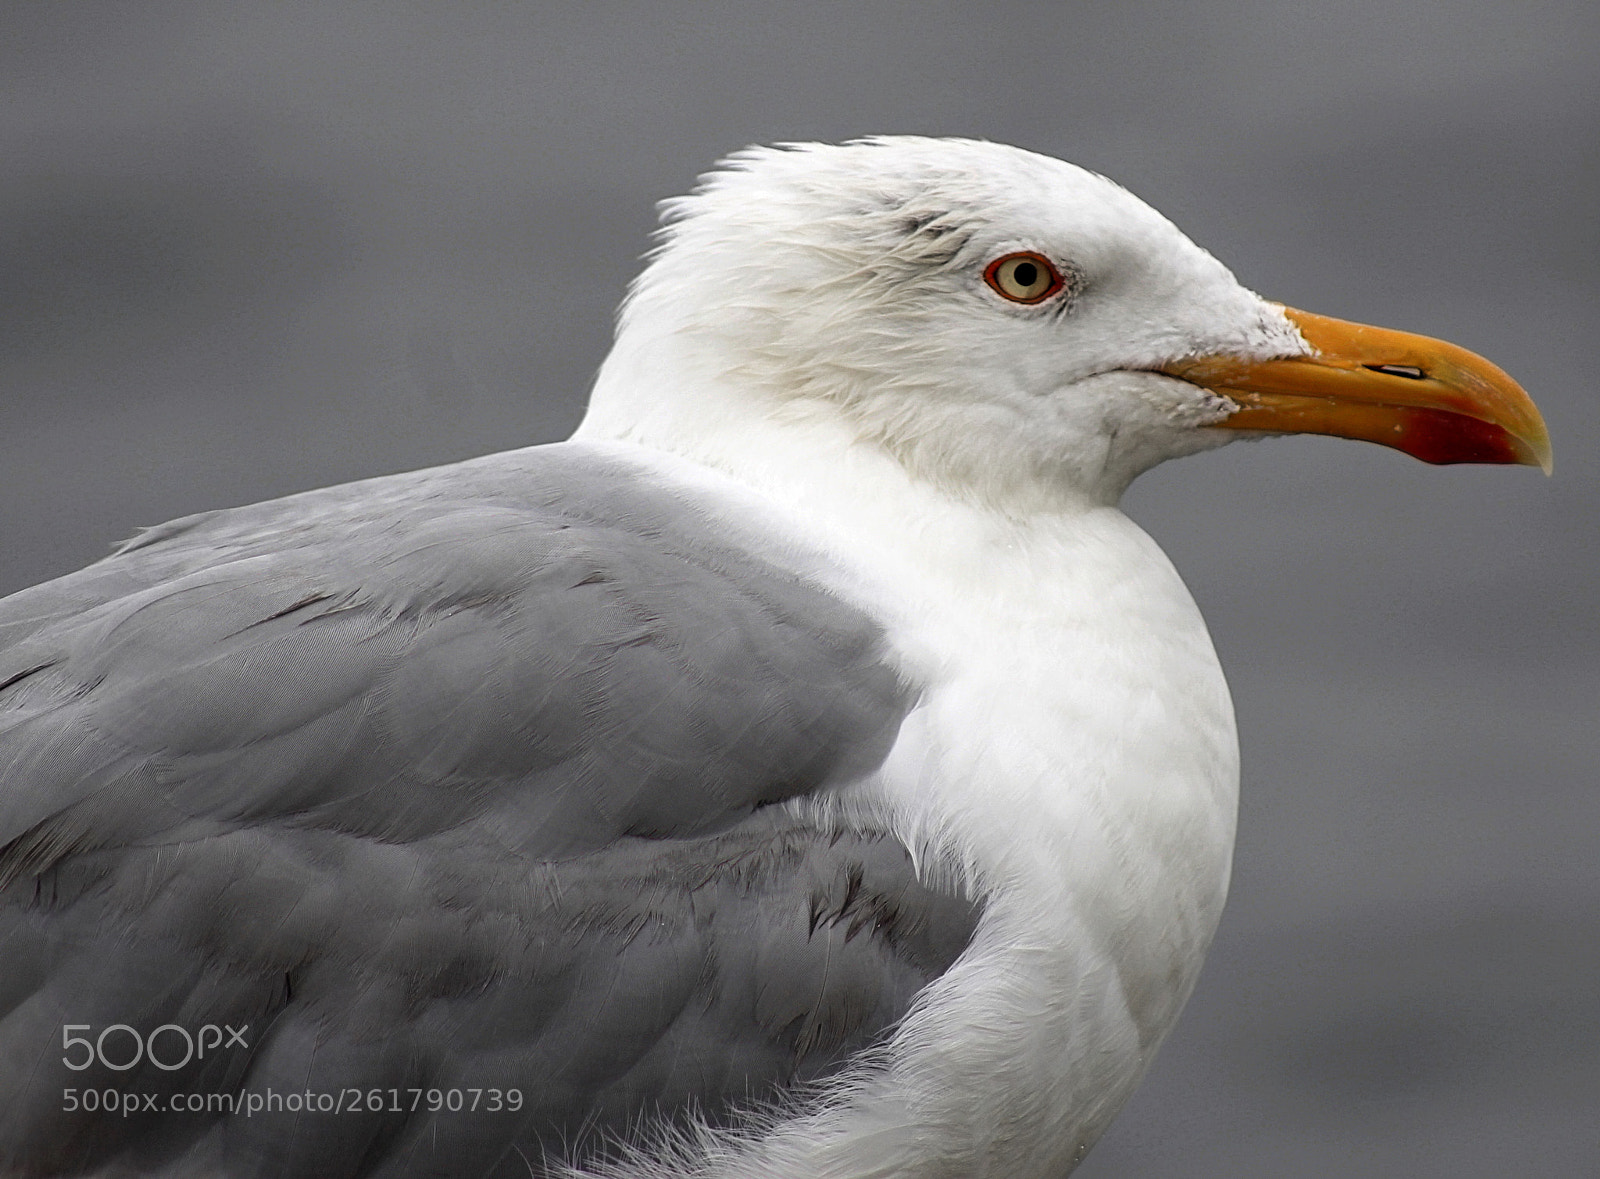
{"x":1023,"y":277}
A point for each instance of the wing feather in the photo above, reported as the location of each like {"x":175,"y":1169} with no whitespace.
{"x":461,"y":779}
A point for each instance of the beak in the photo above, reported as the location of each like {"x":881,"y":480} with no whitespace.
{"x":1436,"y":402}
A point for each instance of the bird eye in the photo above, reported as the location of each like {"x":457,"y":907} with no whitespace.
{"x":1023,"y":277}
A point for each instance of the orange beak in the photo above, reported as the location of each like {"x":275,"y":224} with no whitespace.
{"x":1436,"y":402}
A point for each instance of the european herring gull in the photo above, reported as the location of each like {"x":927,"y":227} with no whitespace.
{"x":806,"y":770}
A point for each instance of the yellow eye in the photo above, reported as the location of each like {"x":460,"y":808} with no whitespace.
{"x":1023,"y":277}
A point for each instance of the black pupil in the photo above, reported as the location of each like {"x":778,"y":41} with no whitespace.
{"x":1026,"y":274}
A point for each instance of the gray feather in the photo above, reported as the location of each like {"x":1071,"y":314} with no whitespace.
{"x":458,"y":779}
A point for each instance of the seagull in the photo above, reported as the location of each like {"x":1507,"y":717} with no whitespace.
{"x":805,"y":770}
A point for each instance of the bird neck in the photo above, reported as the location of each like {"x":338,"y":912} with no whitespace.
{"x":671,"y":391}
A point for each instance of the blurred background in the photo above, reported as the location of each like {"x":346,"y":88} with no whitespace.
{"x":251,"y":249}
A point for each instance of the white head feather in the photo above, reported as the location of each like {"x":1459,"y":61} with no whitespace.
{"x":847,"y":283}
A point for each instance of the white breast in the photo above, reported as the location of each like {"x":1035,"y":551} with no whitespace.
{"x":1075,"y":761}
{"x":1076,"y":756}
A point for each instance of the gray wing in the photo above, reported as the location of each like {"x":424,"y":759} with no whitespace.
{"x":452,"y":789}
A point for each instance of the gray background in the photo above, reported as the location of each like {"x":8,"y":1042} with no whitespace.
{"x":249,"y":249}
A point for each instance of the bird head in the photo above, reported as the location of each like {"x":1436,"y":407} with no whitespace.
{"x":1006,"y":325}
